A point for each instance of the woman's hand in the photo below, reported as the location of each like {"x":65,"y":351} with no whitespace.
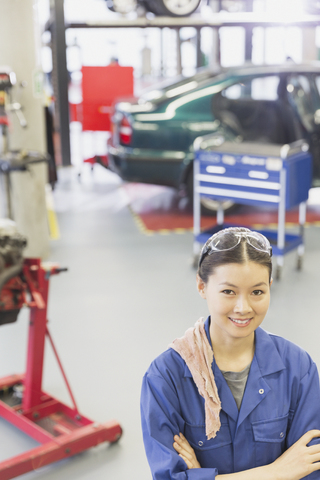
{"x":299,"y":460}
{"x":294,"y":464}
{"x":182,"y":446}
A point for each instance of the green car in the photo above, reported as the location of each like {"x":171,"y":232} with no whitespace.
{"x":152,"y":138}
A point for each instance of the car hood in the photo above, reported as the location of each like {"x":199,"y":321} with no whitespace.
{"x":166,"y":91}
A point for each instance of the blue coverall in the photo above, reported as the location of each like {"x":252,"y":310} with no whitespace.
{"x":281,"y":402}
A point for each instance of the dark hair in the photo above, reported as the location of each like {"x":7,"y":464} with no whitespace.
{"x":242,"y":253}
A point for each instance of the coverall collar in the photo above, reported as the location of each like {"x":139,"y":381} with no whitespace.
{"x":266,"y":361}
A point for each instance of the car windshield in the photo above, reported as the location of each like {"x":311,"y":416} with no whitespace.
{"x":170,"y":90}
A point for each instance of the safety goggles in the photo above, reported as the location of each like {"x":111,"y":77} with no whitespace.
{"x":228,"y":239}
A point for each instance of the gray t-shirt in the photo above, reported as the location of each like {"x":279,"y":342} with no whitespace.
{"x":237,"y":383}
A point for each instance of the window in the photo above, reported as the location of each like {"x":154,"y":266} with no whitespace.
{"x":260,"y":88}
{"x":251,"y":109}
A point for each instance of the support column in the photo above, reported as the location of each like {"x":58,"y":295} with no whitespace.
{"x":248,"y":35}
{"x":198,"y":44}
{"x":162,"y":62}
{"x":179,"y":64}
{"x":19,"y":49}
{"x":61,"y":78}
{"x":215,"y":56}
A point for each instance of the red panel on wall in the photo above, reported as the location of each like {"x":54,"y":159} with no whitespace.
{"x":101,"y":87}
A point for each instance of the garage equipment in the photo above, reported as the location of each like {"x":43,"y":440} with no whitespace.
{"x":101,"y":87}
{"x":253,"y":174}
{"x":61,"y":430}
{"x":7,"y":81}
{"x":15,"y":161}
{"x":11,"y":160}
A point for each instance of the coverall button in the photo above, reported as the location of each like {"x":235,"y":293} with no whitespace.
{"x":261,"y":391}
{"x":200,"y":443}
{"x":281,"y":435}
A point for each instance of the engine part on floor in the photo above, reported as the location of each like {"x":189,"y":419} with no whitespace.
{"x":12,"y":287}
{"x":62,"y":431}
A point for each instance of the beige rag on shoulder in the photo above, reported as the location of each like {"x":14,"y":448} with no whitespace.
{"x":196,"y":351}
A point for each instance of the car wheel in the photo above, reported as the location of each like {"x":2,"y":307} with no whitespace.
{"x":173,"y":8}
{"x":208,"y":205}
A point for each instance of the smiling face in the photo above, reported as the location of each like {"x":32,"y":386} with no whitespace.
{"x":238,"y":297}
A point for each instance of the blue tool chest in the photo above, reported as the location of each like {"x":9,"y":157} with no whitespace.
{"x":253,"y":174}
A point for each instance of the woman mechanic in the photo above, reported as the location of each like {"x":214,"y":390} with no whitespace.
{"x":229,"y":400}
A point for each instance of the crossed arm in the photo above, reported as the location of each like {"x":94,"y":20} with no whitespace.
{"x":295,"y":463}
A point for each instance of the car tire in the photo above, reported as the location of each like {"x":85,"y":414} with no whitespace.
{"x":208,"y":205}
{"x":171,"y":8}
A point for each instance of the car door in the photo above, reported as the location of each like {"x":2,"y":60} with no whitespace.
{"x":252,"y":109}
{"x":303,"y":94}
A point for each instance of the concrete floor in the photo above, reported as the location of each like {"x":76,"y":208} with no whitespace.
{"x":125,"y":297}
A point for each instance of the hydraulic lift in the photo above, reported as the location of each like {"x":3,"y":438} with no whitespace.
{"x":61,"y":430}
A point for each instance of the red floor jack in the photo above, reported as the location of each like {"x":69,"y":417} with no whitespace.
{"x":61,"y":430}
